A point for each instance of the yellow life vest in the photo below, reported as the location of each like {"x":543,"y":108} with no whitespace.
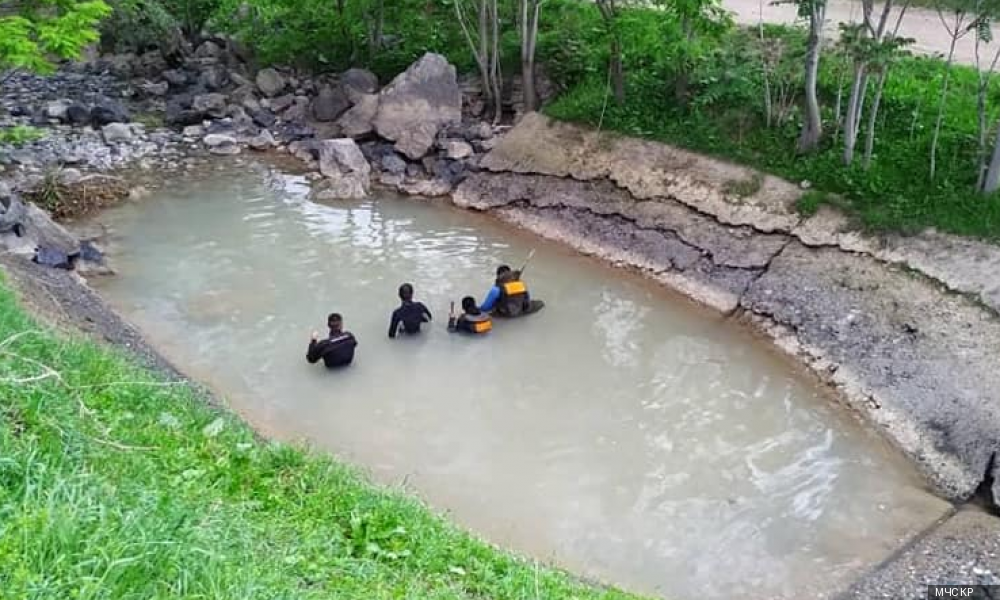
{"x":480,"y":323}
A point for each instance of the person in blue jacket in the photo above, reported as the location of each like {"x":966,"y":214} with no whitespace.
{"x":509,"y":296}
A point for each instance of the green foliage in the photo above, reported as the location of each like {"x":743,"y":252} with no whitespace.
{"x":18,"y":135}
{"x":726,"y":118}
{"x":335,"y":35}
{"x":44,"y":29}
{"x":138,"y":25}
{"x":115,"y":484}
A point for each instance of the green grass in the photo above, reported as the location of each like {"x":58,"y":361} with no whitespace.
{"x":115,"y":485}
{"x":18,"y":135}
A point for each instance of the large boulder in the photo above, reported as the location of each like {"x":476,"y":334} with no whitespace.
{"x":330,"y":103}
{"x":28,"y":230}
{"x":271,"y":82}
{"x":358,"y":82}
{"x":358,"y":121}
{"x":418,"y":103}
{"x":346,"y":171}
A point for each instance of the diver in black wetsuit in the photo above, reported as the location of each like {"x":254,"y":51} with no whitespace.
{"x":337,"y":350}
{"x":410,"y":314}
{"x":472,"y":320}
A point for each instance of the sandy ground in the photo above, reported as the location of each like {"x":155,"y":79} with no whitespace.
{"x":922,"y":24}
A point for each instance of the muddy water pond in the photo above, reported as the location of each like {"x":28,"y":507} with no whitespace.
{"x":621,"y":433}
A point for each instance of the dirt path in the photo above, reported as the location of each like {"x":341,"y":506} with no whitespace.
{"x":922,"y":24}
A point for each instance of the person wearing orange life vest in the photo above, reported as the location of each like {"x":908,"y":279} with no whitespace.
{"x":509,"y":296}
{"x":472,"y":320}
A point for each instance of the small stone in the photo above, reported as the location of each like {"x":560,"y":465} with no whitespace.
{"x":358,"y":82}
{"x":70,"y":176}
{"x":457,"y":149}
{"x":392,"y":163}
{"x":155,"y":89}
{"x":56,"y":110}
{"x":116,"y":133}
{"x":218,"y":143}
{"x":281,"y":103}
{"x":262,"y":141}
{"x":193,"y":131}
{"x":270,"y":82}
{"x":213,"y":104}
{"x":330,"y":103}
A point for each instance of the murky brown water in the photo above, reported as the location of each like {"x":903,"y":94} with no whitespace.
{"x":621,"y":433}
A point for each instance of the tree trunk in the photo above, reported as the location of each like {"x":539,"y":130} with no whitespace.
{"x":617,"y":72}
{"x":812,"y":126}
{"x":943,"y":99}
{"x":872,"y":117}
{"x":497,"y":76}
{"x":529,"y":34}
{"x":992,"y":181}
{"x":853,"y":117}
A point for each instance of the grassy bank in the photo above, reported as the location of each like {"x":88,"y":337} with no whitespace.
{"x":116,"y":485}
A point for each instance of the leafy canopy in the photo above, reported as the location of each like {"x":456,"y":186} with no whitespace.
{"x":43,"y":30}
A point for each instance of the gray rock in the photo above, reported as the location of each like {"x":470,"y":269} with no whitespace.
{"x":56,"y":109}
{"x":78,"y":114}
{"x":358,"y":82}
{"x":12,"y":212}
{"x":193,"y":131}
{"x":214,"y":78}
{"x":345,"y":169}
{"x":218,"y":143}
{"x":107,"y":111}
{"x":116,"y":133}
{"x":392,"y":163}
{"x":281,"y":103}
{"x":358,"y":121}
{"x":918,"y":363}
{"x":964,"y":550}
{"x":330,"y":103}
{"x":177,"y":78}
{"x":429,"y":188}
{"x":270,"y":82}
{"x":457,"y":149}
{"x":296,"y":113}
{"x":155,"y":89}
{"x":208,"y":49}
{"x":70,"y":176}
{"x":45,"y":234}
{"x":213,"y":104}
{"x":262,"y":141}
{"x":417,"y":104}
{"x":262,"y":117}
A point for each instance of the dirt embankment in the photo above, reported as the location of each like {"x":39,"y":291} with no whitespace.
{"x":907,"y":328}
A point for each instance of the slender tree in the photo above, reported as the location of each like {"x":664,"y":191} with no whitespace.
{"x":886,"y":52}
{"x":958,"y":27}
{"x":482,"y":34}
{"x":812,"y":122}
{"x":616,"y":69}
{"x":530,"y":11}
{"x":987,"y":175}
{"x":865,"y":42}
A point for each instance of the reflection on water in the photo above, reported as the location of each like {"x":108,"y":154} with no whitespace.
{"x":620,"y":433}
